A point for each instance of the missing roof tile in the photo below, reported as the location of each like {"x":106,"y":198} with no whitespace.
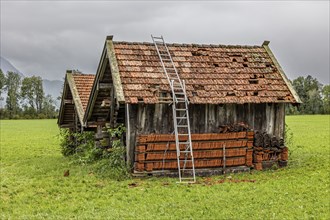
{"x":200,"y":52}
{"x":253,"y":81}
{"x":253,"y":77}
{"x":245,"y":59}
{"x":255,"y":93}
{"x":231,"y":93}
{"x":234,"y":60}
{"x":215,"y":64}
{"x":245,"y":65}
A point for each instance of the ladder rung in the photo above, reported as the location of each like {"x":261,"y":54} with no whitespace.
{"x":185,"y":151}
{"x":181,"y":118}
{"x":157,"y":37}
{"x":181,"y":109}
{"x":183,"y":134}
{"x":182,"y":126}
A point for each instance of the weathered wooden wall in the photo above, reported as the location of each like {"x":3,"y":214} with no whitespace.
{"x":147,"y":119}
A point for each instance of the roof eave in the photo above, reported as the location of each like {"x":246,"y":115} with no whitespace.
{"x":107,"y":53}
{"x":60,"y":114}
{"x":279,"y":68}
{"x":75,"y":96}
{"x":118,"y":87}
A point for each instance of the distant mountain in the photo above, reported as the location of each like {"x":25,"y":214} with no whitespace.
{"x":51,"y":87}
{"x":6,"y":66}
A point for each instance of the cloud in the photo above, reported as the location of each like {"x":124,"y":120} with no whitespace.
{"x":46,"y":38}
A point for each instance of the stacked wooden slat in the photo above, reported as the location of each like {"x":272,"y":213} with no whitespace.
{"x":158,"y":151}
{"x":268,"y":151}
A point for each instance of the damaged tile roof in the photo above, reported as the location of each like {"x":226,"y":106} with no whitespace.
{"x":213,"y":74}
{"x":84,"y":84}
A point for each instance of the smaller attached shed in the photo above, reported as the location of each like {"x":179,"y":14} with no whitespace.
{"x":75,"y":96}
{"x":225,"y":85}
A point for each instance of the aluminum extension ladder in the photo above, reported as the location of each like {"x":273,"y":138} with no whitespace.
{"x":185,"y":158}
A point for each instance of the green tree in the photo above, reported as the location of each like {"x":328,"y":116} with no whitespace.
{"x":13,"y":83}
{"x":2,"y":82}
{"x":48,"y":109}
{"x":326,"y":99}
{"x":32,"y":92}
{"x":309,"y":91}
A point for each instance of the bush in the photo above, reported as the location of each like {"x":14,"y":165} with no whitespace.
{"x":72,"y":143}
{"x":108,"y":162}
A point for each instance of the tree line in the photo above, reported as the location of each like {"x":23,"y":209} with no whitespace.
{"x":25,"y":98}
{"x":315,"y":97}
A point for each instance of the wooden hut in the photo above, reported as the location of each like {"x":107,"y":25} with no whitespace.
{"x":225,"y":85}
{"x":75,"y":95}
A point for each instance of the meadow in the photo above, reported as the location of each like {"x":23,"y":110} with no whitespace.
{"x":33,"y":185}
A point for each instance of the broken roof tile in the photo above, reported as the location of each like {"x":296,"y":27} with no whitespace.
{"x":209,"y":71}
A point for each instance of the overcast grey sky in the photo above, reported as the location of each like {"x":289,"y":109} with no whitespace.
{"x":46,"y":38}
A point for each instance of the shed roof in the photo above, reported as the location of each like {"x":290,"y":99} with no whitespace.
{"x":76,"y":92}
{"x":84,"y":84}
{"x":213,"y":74}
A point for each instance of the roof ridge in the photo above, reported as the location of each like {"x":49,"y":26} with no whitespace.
{"x":83,"y":74}
{"x":190,"y":45}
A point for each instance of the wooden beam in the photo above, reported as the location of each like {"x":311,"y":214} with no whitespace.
{"x":76,"y":97}
{"x":105,"y":86}
{"x":95,"y":123}
{"x":106,"y":103}
{"x":130,"y":148}
{"x":61,"y":111}
{"x":67,"y":125}
{"x":115,"y":72}
{"x":68,"y":101}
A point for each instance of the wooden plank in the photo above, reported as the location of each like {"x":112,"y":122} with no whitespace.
{"x":115,"y":71}
{"x":76,"y":98}
{"x":68,"y":101}
{"x":205,"y":154}
{"x":207,"y":163}
{"x":104,"y":86}
{"x":194,"y":137}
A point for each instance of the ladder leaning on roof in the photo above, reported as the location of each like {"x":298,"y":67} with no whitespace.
{"x":185,"y":158}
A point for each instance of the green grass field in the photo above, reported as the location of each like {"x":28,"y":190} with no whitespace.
{"x":33,"y":185}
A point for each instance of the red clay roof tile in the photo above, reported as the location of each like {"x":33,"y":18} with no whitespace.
{"x":213,"y":74}
{"x":84,"y":84}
